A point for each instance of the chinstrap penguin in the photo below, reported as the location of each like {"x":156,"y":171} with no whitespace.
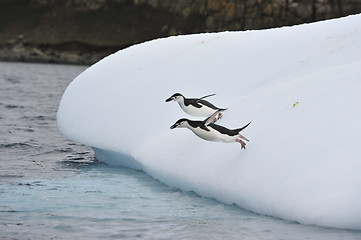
{"x":196,"y":106}
{"x":212,"y":132}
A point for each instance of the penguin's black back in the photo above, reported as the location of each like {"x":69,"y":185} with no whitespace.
{"x":196,"y":103}
{"x":223,"y":130}
{"x":229,"y":132}
{"x":199,"y":124}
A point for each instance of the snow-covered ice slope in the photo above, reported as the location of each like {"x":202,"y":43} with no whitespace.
{"x":300,"y":86}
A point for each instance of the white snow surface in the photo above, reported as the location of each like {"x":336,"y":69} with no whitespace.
{"x":300,"y":86}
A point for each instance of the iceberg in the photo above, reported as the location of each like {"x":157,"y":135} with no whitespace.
{"x":300,"y":86}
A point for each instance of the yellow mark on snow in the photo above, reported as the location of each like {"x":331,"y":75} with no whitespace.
{"x":294,"y":105}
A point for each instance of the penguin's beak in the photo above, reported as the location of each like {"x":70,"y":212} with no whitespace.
{"x":169,"y":99}
{"x":173,"y":126}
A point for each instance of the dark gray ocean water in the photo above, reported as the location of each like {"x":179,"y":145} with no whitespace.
{"x":52,"y":188}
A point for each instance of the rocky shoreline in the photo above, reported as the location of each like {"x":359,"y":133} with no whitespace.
{"x":18,"y":50}
{"x":83,"y":32}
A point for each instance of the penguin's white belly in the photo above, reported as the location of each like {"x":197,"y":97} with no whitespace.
{"x":204,"y":111}
{"x":213,"y":135}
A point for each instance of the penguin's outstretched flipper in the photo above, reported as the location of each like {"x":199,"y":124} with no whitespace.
{"x":210,"y":95}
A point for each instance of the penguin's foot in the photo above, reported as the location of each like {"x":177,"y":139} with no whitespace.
{"x":243,"y":144}
{"x":240,"y":136}
{"x":220,"y":115}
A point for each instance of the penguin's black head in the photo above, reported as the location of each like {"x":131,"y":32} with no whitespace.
{"x":180,"y":123}
{"x":174,"y":97}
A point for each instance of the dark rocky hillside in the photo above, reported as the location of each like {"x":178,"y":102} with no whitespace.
{"x":83,"y":31}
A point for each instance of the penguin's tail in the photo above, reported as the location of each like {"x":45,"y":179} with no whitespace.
{"x":242,"y":128}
